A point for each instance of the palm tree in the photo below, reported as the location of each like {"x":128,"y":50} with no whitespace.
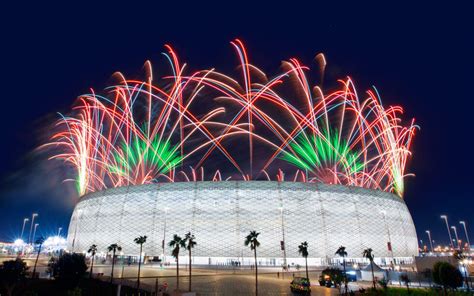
{"x":39,"y":242}
{"x":113,"y":248}
{"x":342,"y":253}
{"x":303,"y":250}
{"x":92,"y":250}
{"x":140,"y":241}
{"x":406,"y":280}
{"x":190,"y":243}
{"x":176,"y":243}
{"x":368,"y":254}
{"x":251,"y":240}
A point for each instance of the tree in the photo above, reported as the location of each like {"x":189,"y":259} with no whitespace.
{"x":113,"y":248}
{"x":341,"y":251}
{"x":140,"y":240}
{"x":303,"y":251}
{"x":384,"y":284}
{"x":252,"y":241}
{"x":176,"y":243}
{"x":69,"y":268}
{"x":92,"y":250}
{"x":190,"y":244}
{"x":436,"y":276}
{"x":406,"y":280}
{"x":368,"y":254}
{"x":462,"y":258}
{"x":428,"y":275}
{"x":39,"y":242}
{"x":51,"y":262}
{"x":446,"y":275}
{"x":12,"y":272}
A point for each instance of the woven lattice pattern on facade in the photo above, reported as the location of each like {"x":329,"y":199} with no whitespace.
{"x":221,"y":214}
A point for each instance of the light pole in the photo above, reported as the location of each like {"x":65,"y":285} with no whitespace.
{"x":449,"y":232}
{"x":31,"y":226}
{"x":456,"y":236}
{"x":164,"y":235}
{"x":34,"y":232}
{"x":431,"y":242}
{"x":23,"y":228}
{"x":59,"y":230}
{"x":467,"y":236}
{"x":465,"y":264}
{"x":390,"y":248}
{"x":283,"y":246}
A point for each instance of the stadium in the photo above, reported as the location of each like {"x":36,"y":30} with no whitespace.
{"x":220,"y":156}
{"x":221,"y":214}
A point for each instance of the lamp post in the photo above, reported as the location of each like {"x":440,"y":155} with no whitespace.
{"x":34,"y":232}
{"x":389,"y":238}
{"x":164,"y":236}
{"x":283,"y":246}
{"x":431,"y":242}
{"x":23,"y":228}
{"x":456,"y":236}
{"x":31,"y":226}
{"x":467,"y":236}
{"x":445,"y":218}
{"x":465,"y":264}
{"x":59,"y":230}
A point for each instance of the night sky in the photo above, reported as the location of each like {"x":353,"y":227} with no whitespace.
{"x":419,"y":57}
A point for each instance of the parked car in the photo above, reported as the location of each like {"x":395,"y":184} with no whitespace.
{"x":300,"y":285}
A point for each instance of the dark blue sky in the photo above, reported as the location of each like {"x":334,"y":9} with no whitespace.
{"x":420,"y":57}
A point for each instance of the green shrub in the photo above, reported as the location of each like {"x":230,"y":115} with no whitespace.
{"x":74,"y":292}
{"x":447,"y":275}
{"x":69,"y":268}
{"x":412,"y":292}
{"x":12,"y":274}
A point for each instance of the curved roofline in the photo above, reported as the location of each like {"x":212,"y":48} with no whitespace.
{"x":242,"y":183}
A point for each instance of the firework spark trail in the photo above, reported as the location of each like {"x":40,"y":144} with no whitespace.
{"x":108,"y":144}
{"x":379,"y":146}
{"x":139,"y":133}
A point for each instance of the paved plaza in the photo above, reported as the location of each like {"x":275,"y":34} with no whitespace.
{"x":208,"y":281}
{"x":219,"y":281}
{"x":215,"y":280}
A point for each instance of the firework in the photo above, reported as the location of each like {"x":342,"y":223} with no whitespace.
{"x":138,"y":132}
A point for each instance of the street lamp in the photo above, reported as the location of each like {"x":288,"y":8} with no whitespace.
{"x":31,"y":227}
{"x":23,"y":228}
{"x":467,"y":236}
{"x":449,"y":232}
{"x":34,"y":232}
{"x":456,"y":236}
{"x":465,"y":264}
{"x":164,"y":235}
{"x":431,"y":242}
{"x":389,"y":238}
{"x":283,"y":247}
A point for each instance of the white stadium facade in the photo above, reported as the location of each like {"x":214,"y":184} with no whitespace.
{"x":221,"y":214}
